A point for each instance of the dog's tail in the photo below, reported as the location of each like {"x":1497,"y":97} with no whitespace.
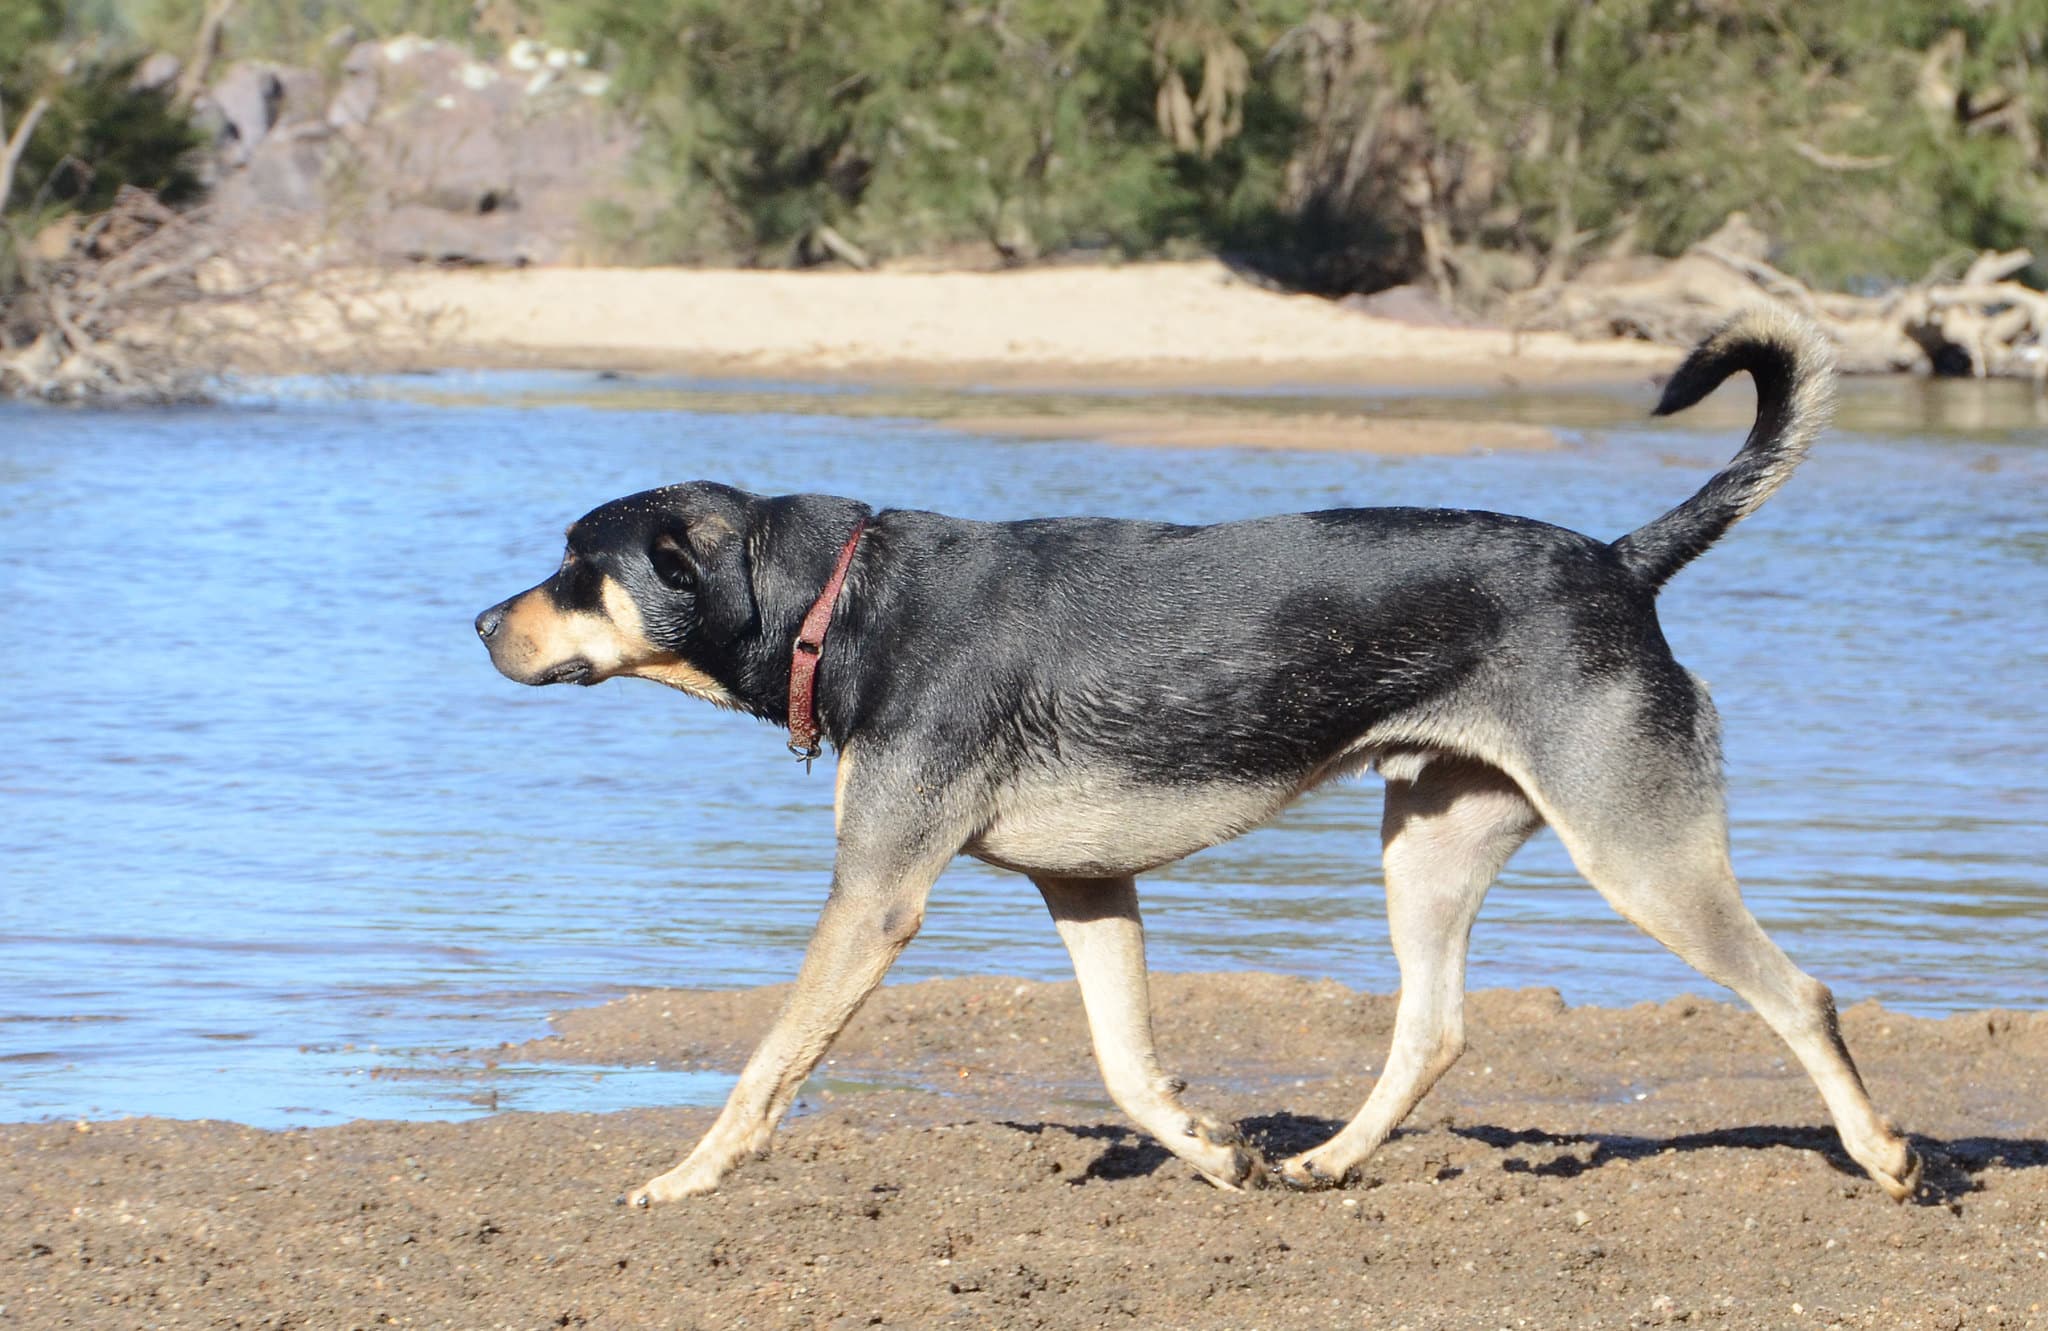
{"x":1794,"y":370}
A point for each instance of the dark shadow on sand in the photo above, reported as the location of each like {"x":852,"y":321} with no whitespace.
{"x":1130,"y":1153}
{"x":1950,"y":1169}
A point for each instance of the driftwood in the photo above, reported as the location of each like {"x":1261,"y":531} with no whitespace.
{"x":143,"y":303}
{"x":205,"y":50}
{"x":12,"y":146}
{"x":93,"y":320}
{"x":1981,"y":324}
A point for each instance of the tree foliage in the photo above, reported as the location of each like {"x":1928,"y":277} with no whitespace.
{"x":73,"y":131}
{"x":1477,"y":143}
{"x":915,"y":123}
{"x":98,"y":135}
{"x":1342,"y":146}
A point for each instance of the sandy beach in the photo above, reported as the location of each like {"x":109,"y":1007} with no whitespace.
{"x":1583,"y":1167}
{"x":1150,"y":324}
{"x":1194,"y":328}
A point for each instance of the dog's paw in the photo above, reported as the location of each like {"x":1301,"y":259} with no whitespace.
{"x":1211,"y":1132}
{"x":1902,"y":1184}
{"x":680,"y":1182}
{"x":1223,"y":1158}
{"x":1242,"y":1172}
{"x":1305,"y":1173}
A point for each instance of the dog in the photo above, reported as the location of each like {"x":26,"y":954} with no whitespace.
{"x":1083,"y":700}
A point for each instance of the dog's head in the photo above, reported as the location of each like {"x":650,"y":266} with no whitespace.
{"x":655,"y":585}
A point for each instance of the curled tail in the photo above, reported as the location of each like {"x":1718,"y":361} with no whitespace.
{"x":1794,"y":372}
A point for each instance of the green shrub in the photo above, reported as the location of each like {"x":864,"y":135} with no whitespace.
{"x":98,"y":135}
{"x":1337,"y":145}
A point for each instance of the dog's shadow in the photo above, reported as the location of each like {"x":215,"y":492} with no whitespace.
{"x":1950,"y":1169}
{"x":1129,"y":1154}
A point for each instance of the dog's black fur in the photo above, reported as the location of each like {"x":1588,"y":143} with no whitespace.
{"x":1257,"y":648}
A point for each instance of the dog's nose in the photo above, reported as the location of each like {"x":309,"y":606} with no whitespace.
{"x":489,"y":622}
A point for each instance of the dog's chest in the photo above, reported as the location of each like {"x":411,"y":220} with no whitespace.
{"x":1104,"y":824}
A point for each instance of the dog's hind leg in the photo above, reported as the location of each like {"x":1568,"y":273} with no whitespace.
{"x":1658,"y":851}
{"x":891,"y":850}
{"x":1099,"y":922}
{"x":1446,"y":833}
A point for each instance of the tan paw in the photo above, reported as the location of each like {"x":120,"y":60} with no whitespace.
{"x":1223,"y":1158}
{"x":1309,"y":1174}
{"x":1903,"y":1182}
{"x":685,"y":1180}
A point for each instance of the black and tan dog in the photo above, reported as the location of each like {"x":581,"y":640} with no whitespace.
{"x":1083,"y":700}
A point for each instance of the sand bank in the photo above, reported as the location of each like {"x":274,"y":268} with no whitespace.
{"x":1189,"y":329}
{"x":1184,"y":323}
{"x":1579,"y":1168}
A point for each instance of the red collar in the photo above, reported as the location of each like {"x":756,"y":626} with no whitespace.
{"x":809,"y":650}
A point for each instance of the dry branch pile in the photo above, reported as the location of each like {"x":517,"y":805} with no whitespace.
{"x":143,"y":303}
{"x":1979,"y":323}
{"x":99,"y":316}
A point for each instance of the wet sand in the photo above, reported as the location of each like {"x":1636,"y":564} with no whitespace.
{"x":1578,"y":1168}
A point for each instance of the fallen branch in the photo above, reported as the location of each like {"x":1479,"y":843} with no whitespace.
{"x":17,"y":144}
{"x":1828,"y":161}
{"x":1994,"y":266}
{"x":205,"y":49}
{"x":153,"y":305}
{"x":1982,"y":324}
{"x":842,"y":249}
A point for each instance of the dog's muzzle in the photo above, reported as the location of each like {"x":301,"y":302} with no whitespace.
{"x":490,"y":626}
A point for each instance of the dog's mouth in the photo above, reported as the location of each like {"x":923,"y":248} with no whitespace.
{"x":577,"y":671}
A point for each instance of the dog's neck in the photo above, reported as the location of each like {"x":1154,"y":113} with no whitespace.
{"x":794,"y":543}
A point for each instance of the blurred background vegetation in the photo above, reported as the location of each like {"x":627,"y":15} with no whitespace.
{"x":1484,"y":145}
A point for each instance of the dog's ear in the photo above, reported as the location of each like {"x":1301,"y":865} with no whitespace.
{"x":708,"y":557}
{"x":674,"y":564}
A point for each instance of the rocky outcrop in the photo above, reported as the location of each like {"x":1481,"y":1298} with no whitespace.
{"x":416,"y":151}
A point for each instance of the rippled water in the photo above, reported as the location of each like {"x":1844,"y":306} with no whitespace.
{"x":269,"y":822}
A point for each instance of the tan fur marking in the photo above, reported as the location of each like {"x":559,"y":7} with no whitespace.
{"x":537,"y":637}
{"x":688,"y":678}
{"x":643,"y":660}
{"x":839,"y":788}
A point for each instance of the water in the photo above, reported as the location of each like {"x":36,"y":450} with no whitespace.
{"x":272,"y":831}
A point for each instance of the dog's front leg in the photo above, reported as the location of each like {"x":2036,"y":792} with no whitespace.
{"x":888,"y":859}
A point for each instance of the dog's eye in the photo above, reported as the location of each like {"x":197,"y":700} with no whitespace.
{"x":670,"y":566}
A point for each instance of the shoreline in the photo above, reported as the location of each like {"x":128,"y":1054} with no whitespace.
{"x":1088,"y":336}
{"x":1579,"y":1167}
{"x":1156,"y":325}
{"x":1067,"y":351}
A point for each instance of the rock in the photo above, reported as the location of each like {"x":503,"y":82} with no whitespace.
{"x":355,"y":102}
{"x":1738,"y":236}
{"x":54,"y":241}
{"x":415,"y":233}
{"x":252,"y":100}
{"x":447,"y":158}
{"x":157,"y":73}
{"x":287,"y":172}
{"x":249,"y":98}
{"x":1411,"y":304}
